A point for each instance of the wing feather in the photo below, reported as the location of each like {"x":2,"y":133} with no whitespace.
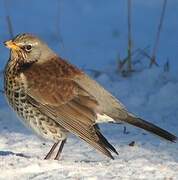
{"x":63,"y":100}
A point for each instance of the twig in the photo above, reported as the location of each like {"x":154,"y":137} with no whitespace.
{"x":136,"y":53}
{"x":58,"y":24}
{"x":155,"y":48}
{"x":125,"y":130}
{"x":9,"y":25}
{"x":139,"y":56}
{"x":144,"y":53}
{"x":129,"y":59}
{"x":167,"y":66}
{"x":8,"y":19}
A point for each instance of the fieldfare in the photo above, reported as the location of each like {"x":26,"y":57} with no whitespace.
{"x":55,"y":98}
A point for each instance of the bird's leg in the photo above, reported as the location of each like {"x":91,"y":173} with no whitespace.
{"x":60,"y":149}
{"x":51,"y":150}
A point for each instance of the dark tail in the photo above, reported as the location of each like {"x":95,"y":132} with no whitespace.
{"x":104,"y":140}
{"x":138,"y":122}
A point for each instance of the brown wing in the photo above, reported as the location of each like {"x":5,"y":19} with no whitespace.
{"x":51,"y":88}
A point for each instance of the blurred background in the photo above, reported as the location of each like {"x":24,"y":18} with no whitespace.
{"x":129,"y":46}
{"x":114,"y":41}
{"x":102,"y":37}
{"x":93,"y":33}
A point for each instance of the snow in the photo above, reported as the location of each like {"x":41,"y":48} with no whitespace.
{"x":93,"y":34}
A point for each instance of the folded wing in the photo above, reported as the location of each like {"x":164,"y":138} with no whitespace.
{"x":64,"y":101}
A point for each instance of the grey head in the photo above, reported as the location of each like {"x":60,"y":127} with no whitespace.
{"x":28,"y":48}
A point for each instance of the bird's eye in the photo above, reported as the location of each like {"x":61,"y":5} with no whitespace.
{"x":28,"y":48}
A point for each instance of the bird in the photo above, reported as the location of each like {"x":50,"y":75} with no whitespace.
{"x":55,"y":98}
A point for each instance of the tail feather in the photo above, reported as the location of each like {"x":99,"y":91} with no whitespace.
{"x":106,"y":143}
{"x":138,"y":122}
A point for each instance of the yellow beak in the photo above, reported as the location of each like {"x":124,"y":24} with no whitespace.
{"x":11,"y":45}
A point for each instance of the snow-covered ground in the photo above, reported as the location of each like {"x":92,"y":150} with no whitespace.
{"x":93,"y":34}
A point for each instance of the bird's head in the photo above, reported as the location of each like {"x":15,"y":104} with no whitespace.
{"x":27,"y":49}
